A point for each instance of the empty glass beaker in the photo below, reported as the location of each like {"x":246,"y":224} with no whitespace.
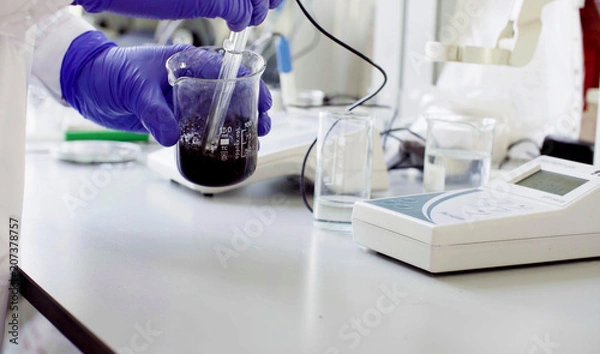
{"x":234,"y":158}
{"x":458,"y":152}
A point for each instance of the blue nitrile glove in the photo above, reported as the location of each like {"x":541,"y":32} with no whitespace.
{"x":127,"y":88}
{"x":237,"y":13}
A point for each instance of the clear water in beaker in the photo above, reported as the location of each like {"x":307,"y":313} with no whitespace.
{"x":458,"y":152}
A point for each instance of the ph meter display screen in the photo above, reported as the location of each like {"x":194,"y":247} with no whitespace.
{"x":551,"y":182}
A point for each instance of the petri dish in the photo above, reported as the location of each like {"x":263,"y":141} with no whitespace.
{"x":96,"y":151}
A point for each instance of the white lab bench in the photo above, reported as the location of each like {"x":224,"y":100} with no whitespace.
{"x":122,"y":260}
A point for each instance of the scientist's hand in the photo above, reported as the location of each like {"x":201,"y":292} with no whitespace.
{"x":237,"y":13}
{"x":127,"y":88}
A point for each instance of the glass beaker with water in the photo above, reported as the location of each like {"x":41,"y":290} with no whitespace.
{"x":234,"y":157}
{"x":343,"y":171}
{"x":458,"y":152}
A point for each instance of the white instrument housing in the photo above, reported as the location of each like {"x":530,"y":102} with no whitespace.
{"x":546,"y":210}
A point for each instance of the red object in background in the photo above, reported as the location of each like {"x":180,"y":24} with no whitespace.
{"x":590,"y":25}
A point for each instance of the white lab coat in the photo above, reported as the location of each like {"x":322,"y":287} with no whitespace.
{"x":18,"y":21}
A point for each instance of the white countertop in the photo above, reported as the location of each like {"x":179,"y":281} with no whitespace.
{"x":122,"y":249}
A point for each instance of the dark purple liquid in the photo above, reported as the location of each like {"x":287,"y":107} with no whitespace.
{"x":228,"y":164}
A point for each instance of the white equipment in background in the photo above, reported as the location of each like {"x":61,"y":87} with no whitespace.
{"x":281,"y":154}
{"x":543,"y":211}
{"x":501,"y":62}
{"x":515,"y":46}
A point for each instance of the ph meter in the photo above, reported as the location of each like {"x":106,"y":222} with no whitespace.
{"x":545,"y":210}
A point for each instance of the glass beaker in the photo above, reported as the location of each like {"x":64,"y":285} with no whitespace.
{"x":458,"y":152}
{"x":343,"y":173}
{"x":194,"y":82}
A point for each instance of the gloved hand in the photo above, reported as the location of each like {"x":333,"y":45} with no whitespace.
{"x":127,"y":88}
{"x":238,"y":13}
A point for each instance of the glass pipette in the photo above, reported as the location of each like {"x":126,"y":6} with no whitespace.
{"x":234,"y":46}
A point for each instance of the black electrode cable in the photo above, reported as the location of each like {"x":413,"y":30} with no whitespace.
{"x":302,"y":171}
{"x":389,"y":125}
{"x":353,"y":106}
{"x":350,"y":49}
{"x":400,"y":140}
{"x":338,"y":105}
{"x":417,"y":135}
